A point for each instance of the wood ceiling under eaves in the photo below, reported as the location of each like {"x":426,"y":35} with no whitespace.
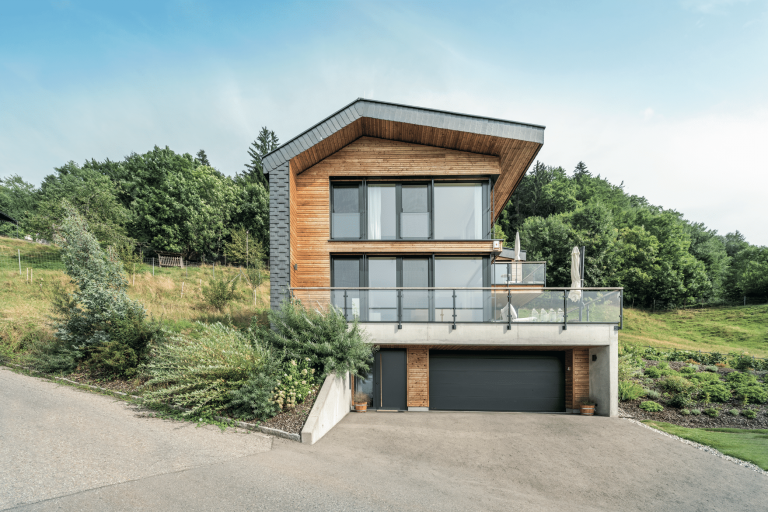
{"x":515,"y":156}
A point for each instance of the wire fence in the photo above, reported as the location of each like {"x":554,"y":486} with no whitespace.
{"x":659,"y":306}
{"x":737,"y":360}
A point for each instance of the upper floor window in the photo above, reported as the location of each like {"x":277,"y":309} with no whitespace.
{"x":410,"y":210}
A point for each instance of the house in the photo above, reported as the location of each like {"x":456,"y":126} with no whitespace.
{"x":386,"y":211}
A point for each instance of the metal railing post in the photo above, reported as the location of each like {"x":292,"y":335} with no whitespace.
{"x":345,"y":305}
{"x":509,"y":310}
{"x":621,"y":311}
{"x":565,"y":310}
{"x":454,"y":309}
{"x":399,"y":309}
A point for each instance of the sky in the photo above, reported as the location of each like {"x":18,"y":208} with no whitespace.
{"x":669,"y":97}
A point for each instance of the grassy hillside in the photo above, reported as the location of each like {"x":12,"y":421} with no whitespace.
{"x":25,"y":305}
{"x":733,"y":329}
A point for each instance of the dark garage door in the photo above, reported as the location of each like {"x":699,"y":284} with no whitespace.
{"x":496,"y":381}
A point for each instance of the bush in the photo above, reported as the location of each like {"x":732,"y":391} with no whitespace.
{"x":711,"y":412}
{"x":733,"y":412}
{"x":652,"y":394}
{"x":651,"y":406}
{"x":97,"y":323}
{"x":696,"y":412}
{"x":712,"y":368}
{"x":200,"y":371}
{"x":753,"y":393}
{"x":688,"y":370}
{"x":324,"y":337}
{"x":675,"y":384}
{"x":255,"y":398}
{"x":705,"y":377}
{"x":685,"y":412}
{"x":749,"y":414}
{"x":220,"y":292}
{"x":629,"y":390}
{"x":294,"y":384}
{"x":738,"y":379}
{"x":663,"y":365}
{"x":680,"y":400}
{"x":652,"y":372}
{"x":714,"y":392}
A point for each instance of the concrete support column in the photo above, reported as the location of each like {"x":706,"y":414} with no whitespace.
{"x":604,"y":378}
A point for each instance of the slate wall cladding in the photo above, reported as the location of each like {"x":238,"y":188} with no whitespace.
{"x":279,"y":235}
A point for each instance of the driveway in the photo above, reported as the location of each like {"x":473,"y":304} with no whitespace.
{"x":64,"y":449}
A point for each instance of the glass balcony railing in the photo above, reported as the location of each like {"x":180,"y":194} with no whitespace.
{"x":470,"y":305}
{"x":520,"y":272}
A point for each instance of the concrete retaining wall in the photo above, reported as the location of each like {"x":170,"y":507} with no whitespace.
{"x":604,"y":379}
{"x":331,"y":406}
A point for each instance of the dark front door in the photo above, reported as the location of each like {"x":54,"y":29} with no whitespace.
{"x":390,"y":379}
{"x":496,"y":381}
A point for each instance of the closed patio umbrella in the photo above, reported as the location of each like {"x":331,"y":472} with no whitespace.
{"x":575,"y":295}
{"x":517,"y":246}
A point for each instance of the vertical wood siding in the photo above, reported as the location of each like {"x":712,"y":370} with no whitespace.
{"x":576,"y":380}
{"x":418,"y":377}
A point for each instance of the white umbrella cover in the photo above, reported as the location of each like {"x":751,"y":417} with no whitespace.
{"x":517,"y":246}
{"x":575,"y":295}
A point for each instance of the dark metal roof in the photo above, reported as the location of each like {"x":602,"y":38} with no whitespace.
{"x":7,"y":218}
{"x":404,"y":114}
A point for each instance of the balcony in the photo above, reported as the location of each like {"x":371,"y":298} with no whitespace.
{"x":520,"y":272}
{"x":495,"y":305}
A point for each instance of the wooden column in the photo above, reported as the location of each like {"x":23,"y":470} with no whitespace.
{"x":418,"y":377}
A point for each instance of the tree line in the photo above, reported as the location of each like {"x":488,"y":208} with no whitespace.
{"x":165,"y":201}
{"x":156,"y":201}
{"x":654,"y":253}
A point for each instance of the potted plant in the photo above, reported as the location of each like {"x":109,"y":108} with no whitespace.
{"x":361,"y":401}
{"x":588,"y":407}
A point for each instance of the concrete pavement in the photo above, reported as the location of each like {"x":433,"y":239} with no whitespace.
{"x":63,"y":449}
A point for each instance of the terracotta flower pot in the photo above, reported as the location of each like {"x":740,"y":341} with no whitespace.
{"x":588,"y":410}
{"x":361,"y":407}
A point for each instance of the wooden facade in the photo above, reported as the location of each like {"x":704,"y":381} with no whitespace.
{"x":577,"y":378}
{"x":310,"y":226}
{"x":418,"y":377}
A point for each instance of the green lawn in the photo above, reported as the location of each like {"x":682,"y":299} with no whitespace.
{"x":749,"y":445}
{"x":732,"y":329}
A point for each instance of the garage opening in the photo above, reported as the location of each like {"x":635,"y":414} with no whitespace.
{"x":461,"y":380}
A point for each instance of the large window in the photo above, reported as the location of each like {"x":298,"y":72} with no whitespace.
{"x":409,"y":305}
{"x":458,"y":211}
{"x":410,"y":211}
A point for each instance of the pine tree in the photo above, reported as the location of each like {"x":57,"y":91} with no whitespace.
{"x":265,"y":142}
{"x":202,"y":159}
{"x":581,"y":171}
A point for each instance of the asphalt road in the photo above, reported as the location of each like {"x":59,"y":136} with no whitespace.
{"x":65,"y":449}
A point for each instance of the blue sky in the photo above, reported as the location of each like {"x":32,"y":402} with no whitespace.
{"x":670,"y":97}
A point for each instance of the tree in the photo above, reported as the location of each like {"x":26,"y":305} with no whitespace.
{"x":265,"y":142}
{"x":17,"y":199}
{"x":176,"y":205}
{"x":92,"y":194}
{"x":202,"y":159}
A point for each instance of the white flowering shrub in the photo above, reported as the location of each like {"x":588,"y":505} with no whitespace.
{"x":295,"y":383}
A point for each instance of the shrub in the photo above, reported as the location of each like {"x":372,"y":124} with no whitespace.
{"x":629,"y":390}
{"x":744,"y":362}
{"x":220,"y":292}
{"x":752,"y":393}
{"x":711,"y":412}
{"x":97,"y":323}
{"x":696,"y":412}
{"x":714,"y":392}
{"x":711,"y":368}
{"x":738,"y":379}
{"x":749,"y":414}
{"x":680,"y":400}
{"x":294,"y":384}
{"x":721,"y":365}
{"x":199,"y":371}
{"x":675,"y":384}
{"x":733,"y":412}
{"x":688,"y":370}
{"x":705,"y":377}
{"x":324,"y":337}
{"x":651,"y":406}
{"x":652,"y":372}
{"x":255,"y":398}
{"x":663,"y":365}
{"x":652,"y":394}
{"x":685,"y":412}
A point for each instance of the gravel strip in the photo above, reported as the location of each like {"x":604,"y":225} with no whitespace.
{"x":293,"y":421}
{"x":701,"y":447}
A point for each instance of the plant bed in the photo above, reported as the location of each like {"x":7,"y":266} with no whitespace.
{"x":124,"y":385}
{"x":291,"y":421}
{"x":693,"y":395}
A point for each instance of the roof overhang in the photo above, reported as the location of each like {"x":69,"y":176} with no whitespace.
{"x":516,"y":144}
